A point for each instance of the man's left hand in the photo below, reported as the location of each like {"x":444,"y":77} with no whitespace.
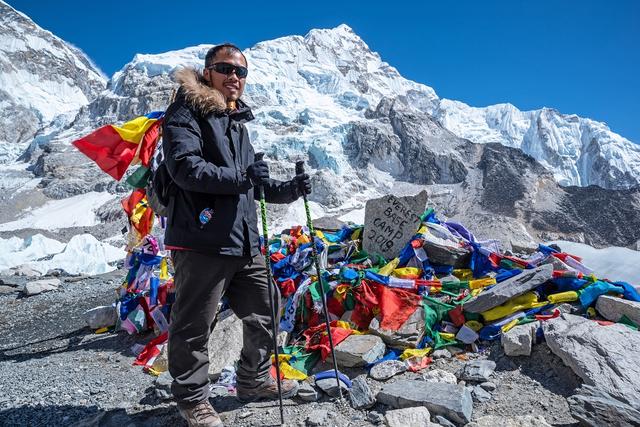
{"x":302,"y":184}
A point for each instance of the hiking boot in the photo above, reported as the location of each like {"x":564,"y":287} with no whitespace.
{"x":268,"y":390}
{"x":201,"y":414}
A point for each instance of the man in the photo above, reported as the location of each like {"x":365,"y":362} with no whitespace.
{"x":212,"y":232}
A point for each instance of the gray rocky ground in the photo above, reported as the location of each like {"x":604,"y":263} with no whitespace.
{"x":54,"y":370}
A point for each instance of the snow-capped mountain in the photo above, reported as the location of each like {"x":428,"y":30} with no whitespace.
{"x":579,"y":151}
{"x":43,"y":79}
{"x":368,"y":131}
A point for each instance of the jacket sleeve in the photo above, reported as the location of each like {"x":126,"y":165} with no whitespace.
{"x":185,"y":164}
{"x":278,"y":191}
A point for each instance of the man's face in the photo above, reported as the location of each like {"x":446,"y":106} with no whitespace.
{"x":229,"y":85}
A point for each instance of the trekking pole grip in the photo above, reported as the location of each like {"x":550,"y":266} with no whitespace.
{"x":256,"y":158}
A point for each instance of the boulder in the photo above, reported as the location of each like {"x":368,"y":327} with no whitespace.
{"x":103,"y":316}
{"x":329,"y":386}
{"x":440,"y":376}
{"x":225,"y":343}
{"x":408,"y":335}
{"x":39,"y":286}
{"x":6,"y":290}
{"x":603,"y":356}
{"x":317,"y":417}
{"x":444,"y":422}
{"x":163,"y":386}
{"x":360,"y":394}
{"x":452,"y":401}
{"x":512,"y":287}
{"x":414,"y":417}
{"x":519,"y":339}
{"x":480,"y":394}
{"x":25,"y":271}
{"x":359,"y":350}
{"x":387,"y":369}
{"x":477,"y":370}
{"x":440,"y":354}
{"x":439,"y":253}
{"x":613,"y":308}
{"x":308,"y":392}
{"x":594,"y":407}
{"x":517,"y":421}
{"x":375,"y":417}
{"x":489,"y":386}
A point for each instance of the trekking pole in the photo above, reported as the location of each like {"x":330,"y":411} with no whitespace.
{"x":267,"y":261}
{"x":316,"y":261}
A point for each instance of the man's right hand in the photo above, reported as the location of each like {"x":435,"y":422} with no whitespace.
{"x":258,"y":172}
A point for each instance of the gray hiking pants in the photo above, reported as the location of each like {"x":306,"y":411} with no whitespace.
{"x":200,"y":282}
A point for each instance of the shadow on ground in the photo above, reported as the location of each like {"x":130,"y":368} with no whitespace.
{"x":82,"y":339}
{"x":81,"y":416}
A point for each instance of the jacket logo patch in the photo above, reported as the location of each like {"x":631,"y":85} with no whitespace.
{"x":205,"y":216}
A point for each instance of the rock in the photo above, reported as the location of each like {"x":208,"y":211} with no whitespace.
{"x":519,"y":339}
{"x":163,"y":386}
{"x":477,"y":370}
{"x":439,"y":376}
{"x":359,"y":350}
{"x":6,"y":290}
{"x":594,"y":407}
{"x":517,"y":421}
{"x":39,"y":286}
{"x":390,"y":222}
{"x":443,"y":421}
{"x":414,"y":417}
{"x":440,"y":354}
{"x":504,"y":291}
{"x":453,"y":350}
{"x":103,"y":316}
{"x":565,"y":308}
{"x":480,"y":394}
{"x":25,"y":271}
{"x":308,"y":392}
{"x":360,"y":393}
{"x":613,"y":308}
{"x":317,"y":417}
{"x":450,"y":400}
{"x":375,"y":417}
{"x":489,"y":386}
{"x":447,"y":255}
{"x":603,"y":356}
{"x":225,"y":343}
{"x":329,"y":386}
{"x":408,"y":336}
{"x":467,"y":335}
{"x":385,"y":370}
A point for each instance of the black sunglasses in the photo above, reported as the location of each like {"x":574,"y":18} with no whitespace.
{"x":226,"y":69}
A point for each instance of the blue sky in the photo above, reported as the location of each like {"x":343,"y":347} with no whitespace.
{"x":579,"y":57}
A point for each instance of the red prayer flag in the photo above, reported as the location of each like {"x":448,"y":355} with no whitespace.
{"x":108,"y":150}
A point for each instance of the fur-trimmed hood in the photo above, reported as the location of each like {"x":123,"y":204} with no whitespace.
{"x":198,"y":95}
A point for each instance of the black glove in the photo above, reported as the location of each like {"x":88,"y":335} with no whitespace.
{"x":258,"y":172}
{"x":301,"y":185}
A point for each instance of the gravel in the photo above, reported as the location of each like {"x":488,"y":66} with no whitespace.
{"x":54,"y":370}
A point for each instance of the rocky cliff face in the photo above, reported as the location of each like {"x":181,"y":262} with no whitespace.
{"x":41,"y":78}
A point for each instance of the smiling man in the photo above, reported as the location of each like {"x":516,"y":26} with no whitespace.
{"x":213,"y":234}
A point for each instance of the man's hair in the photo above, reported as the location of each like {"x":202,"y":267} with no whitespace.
{"x":226,"y":48}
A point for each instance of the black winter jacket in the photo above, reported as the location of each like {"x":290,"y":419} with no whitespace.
{"x":207,"y":151}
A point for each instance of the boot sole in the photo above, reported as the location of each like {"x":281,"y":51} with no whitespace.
{"x":256,"y":398}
